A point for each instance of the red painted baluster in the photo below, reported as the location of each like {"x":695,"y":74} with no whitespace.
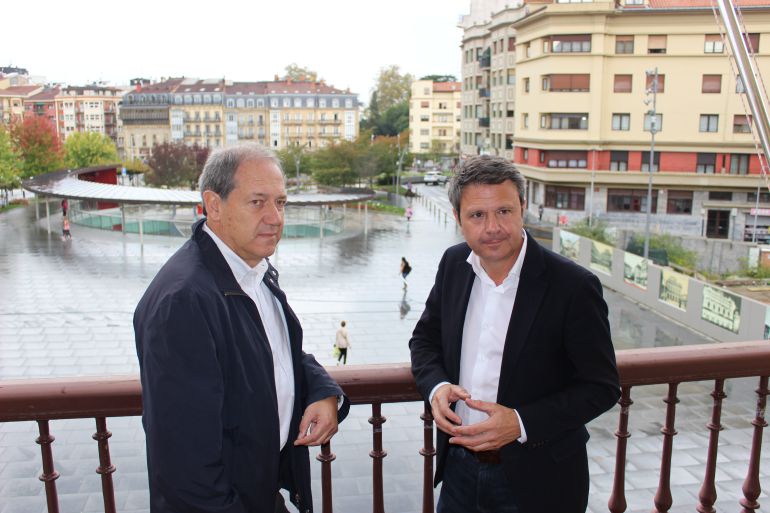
{"x":751,"y":486}
{"x":617,"y":502}
{"x":49,"y":475}
{"x":708,"y":492}
{"x":326,"y":457}
{"x":377,"y":454}
{"x":105,"y":468}
{"x":428,"y":452}
{"x":663,"y":499}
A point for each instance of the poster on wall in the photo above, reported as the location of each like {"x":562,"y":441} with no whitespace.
{"x":721,"y":308}
{"x":635,"y":270}
{"x":601,"y":257}
{"x":569,"y":245}
{"x":673,"y":288}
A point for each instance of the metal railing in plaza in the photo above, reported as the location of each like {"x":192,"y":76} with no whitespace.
{"x":49,"y":400}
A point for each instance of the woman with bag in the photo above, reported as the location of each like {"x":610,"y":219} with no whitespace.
{"x":342,"y":343}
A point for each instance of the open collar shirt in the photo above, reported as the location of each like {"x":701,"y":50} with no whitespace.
{"x":274,"y":321}
{"x":484,"y":332}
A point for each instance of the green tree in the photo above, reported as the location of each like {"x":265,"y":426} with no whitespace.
{"x":10,"y":170}
{"x":299,"y":74}
{"x":174,"y":165}
{"x":440,"y":78}
{"x":394,"y":120}
{"x":392,"y":87}
{"x":86,"y":149}
{"x":37,"y":144}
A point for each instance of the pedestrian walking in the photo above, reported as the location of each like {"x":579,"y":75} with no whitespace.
{"x":65,"y":229}
{"x":409,"y":213}
{"x":405,"y":269}
{"x":342,"y":341}
{"x":540,"y":212}
{"x":64,"y":207}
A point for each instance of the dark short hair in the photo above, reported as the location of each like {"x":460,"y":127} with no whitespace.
{"x":219,"y":172}
{"x":485,"y":170}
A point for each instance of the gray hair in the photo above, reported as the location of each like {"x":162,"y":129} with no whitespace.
{"x":486,"y":170}
{"x":219,"y":172}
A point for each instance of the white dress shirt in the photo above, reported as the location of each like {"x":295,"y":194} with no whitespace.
{"x":486,"y":324}
{"x":274,"y":321}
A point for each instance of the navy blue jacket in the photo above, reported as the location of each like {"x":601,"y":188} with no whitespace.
{"x":208,"y":390}
{"x":558,"y":369}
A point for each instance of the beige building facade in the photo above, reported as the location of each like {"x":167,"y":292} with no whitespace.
{"x":564,"y":90}
{"x":435,"y":117}
{"x":215,"y":113}
{"x":91,"y":108}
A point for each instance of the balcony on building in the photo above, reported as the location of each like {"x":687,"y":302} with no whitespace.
{"x":485,"y":59}
{"x":484,"y":92}
{"x":484,"y":122}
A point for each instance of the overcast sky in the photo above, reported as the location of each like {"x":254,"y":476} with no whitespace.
{"x":345,"y":41}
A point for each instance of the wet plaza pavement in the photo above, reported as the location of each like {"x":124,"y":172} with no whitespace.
{"x":66,"y":310}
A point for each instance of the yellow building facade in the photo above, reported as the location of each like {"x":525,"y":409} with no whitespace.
{"x":435,"y":117}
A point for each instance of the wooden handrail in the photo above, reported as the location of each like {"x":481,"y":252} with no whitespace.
{"x":120,"y":396}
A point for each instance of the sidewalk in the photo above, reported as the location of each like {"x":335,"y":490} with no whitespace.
{"x":66,"y":309}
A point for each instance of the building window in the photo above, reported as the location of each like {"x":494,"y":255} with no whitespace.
{"x":618,"y":161}
{"x":661,"y":85}
{"x":577,"y":43}
{"x":630,"y":200}
{"x":526,"y":85}
{"x":739,"y":163}
{"x":709,"y":123}
{"x":424,"y":118}
{"x":561,"y":121}
{"x":511,"y":44}
{"x":711,"y":84}
{"x":525,"y":120}
{"x":656,"y":44}
{"x":720,"y":195}
{"x":570,"y":159}
{"x":706,"y":163}
{"x":621,"y":121}
{"x":741,"y":124}
{"x":424,"y":105}
{"x":646,"y":162}
{"x":713,"y":44}
{"x":565,"y":198}
{"x":624,"y":44}
{"x":622,"y":83}
{"x":424,"y":131}
{"x":658,"y":122}
{"x":679,"y":202}
{"x":424,"y":146}
{"x":764,"y":197}
{"x":567,"y":82}
{"x":752,"y":41}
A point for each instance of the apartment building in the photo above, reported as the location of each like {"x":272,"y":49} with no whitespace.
{"x":43,"y":104}
{"x":216,"y":113}
{"x":435,"y":117}
{"x":91,"y":108}
{"x":12,"y":102}
{"x":560,"y":88}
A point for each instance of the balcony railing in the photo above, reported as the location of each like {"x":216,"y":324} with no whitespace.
{"x":99,"y":398}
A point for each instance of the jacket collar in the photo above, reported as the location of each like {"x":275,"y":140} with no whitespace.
{"x":216,"y":263}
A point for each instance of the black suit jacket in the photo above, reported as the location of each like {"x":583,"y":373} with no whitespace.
{"x":210,"y":412}
{"x":558,"y":369}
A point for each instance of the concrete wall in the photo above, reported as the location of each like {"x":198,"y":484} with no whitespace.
{"x":752,"y":313}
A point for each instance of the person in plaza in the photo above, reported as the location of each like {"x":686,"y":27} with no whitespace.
{"x":342,"y":341}
{"x":405,"y":269}
{"x":409,"y":213}
{"x":513,"y":353}
{"x":230,"y":401}
{"x":65,"y":229}
{"x":540,"y":210}
{"x":64,"y":207}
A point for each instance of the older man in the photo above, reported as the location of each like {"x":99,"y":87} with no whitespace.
{"x":513,"y":352}
{"x":231,"y":402}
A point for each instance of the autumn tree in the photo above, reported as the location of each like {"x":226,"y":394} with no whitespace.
{"x":37,"y":144}
{"x":86,"y":149}
{"x":299,"y":74}
{"x":174,"y":164}
{"x":388,"y":112}
{"x":392,"y":87}
{"x":10,"y":170}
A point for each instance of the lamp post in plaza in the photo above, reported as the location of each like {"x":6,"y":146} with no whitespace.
{"x":652,"y":95}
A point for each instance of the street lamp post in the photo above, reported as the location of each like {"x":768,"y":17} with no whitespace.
{"x":652,"y":96}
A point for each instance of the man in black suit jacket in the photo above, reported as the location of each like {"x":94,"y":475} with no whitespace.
{"x":230,"y":401}
{"x":514,"y":354}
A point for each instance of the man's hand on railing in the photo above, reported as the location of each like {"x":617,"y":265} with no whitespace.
{"x":319,"y":422}
{"x":501,"y":428}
